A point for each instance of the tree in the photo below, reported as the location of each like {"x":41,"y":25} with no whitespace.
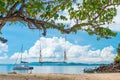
{"x":90,"y":15}
{"x":118,"y":50}
{"x":117,"y":58}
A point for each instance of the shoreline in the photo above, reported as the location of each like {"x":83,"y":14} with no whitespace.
{"x":98,"y":76}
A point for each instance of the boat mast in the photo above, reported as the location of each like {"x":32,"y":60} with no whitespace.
{"x":65,"y":56}
{"x":21,"y":52}
{"x":40,"y":56}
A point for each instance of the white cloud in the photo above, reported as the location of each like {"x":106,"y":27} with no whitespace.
{"x":53,"y":49}
{"x":104,"y":55}
{"x":116,"y":26}
{"x":116,"y":19}
{"x":3,"y":52}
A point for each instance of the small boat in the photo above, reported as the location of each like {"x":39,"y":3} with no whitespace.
{"x":22,"y":66}
{"x":89,"y":70}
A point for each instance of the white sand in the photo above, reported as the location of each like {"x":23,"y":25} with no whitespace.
{"x":105,"y":76}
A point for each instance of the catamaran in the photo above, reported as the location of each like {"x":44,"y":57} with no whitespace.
{"x":23,"y":65}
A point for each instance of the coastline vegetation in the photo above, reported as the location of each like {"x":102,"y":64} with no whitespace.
{"x":113,"y":67}
{"x":117,"y":58}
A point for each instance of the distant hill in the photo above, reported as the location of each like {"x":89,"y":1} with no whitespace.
{"x":55,"y":64}
{"x":61,"y":64}
{"x":6,"y":64}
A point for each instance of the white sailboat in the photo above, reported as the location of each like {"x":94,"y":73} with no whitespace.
{"x":23,"y":65}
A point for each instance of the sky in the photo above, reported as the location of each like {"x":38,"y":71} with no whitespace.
{"x":80,"y":47}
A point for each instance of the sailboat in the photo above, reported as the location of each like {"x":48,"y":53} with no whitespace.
{"x":64,"y":56}
{"x":23,"y":65}
{"x":40,"y":57}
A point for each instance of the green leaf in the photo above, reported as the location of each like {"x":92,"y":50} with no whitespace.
{"x":0,"y":32}
{"x":63,"y":17}
{"x":56,"y":16}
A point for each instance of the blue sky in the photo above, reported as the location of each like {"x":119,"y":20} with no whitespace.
{"x":80,"y":47}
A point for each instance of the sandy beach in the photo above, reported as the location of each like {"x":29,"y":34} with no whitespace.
{"x":105,"y":76}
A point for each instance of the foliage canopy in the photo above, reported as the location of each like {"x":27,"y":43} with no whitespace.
{"x":91,"y":16}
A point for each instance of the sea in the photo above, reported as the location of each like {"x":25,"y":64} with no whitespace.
{"x":51,"y":67}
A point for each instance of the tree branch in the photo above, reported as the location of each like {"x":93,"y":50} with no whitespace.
{"x":1,"y":25}
{"x":3,"y":40}
{"x":22,"y":7}
{"x":48,"y":2}
{"x":100,"y":13}
{"x":19,"y":15}
{"x":11,"y":11}
{"x":8,"y":4}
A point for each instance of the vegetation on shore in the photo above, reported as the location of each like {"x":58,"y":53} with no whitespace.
{"x":113,"y":67}
{"x":117,"y":58}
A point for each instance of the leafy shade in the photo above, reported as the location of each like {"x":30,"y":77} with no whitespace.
{"x":90,"y":15}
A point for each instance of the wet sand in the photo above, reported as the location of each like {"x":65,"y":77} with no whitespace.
{"x":105,"y":76}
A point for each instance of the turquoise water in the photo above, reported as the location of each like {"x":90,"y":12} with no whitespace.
{"x":52,"y":68}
